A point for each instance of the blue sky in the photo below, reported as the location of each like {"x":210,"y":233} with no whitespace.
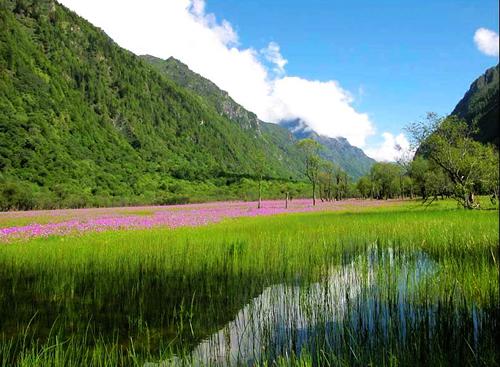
{"x":406,"y":57}
{"x":360,"y":69}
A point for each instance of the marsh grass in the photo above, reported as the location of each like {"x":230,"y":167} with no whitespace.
{"x":131,"y":297}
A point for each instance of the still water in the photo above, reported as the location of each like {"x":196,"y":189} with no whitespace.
{"x":366,"y":294}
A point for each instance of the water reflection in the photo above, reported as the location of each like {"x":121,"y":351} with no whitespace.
{"x":287,"y":319}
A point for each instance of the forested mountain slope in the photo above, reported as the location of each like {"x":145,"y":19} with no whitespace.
{"x":480,"y":104}
{"x":281,"y":144}
{"x":80,"y":116}
{"x":337,"y":150}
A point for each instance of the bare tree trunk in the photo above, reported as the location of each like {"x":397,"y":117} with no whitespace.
{"x":260,"y":195}
{"x":314,"y":193}
{"x":470,"y":200}
{"x":286,"y":201}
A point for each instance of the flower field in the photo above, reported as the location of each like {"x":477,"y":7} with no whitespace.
{"x":32,"y":224}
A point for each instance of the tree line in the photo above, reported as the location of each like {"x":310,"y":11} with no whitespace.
{"x":448,"y":162}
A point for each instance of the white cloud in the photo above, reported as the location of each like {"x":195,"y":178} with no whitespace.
{"x":183,"y":29}
{"x":487,"y":41}
{"x":272,"y":54}
{"x":391,"y":148}
{"x":325,"y":106}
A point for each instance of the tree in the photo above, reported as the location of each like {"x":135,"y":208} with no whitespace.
{"x":407,"y":186}
{"x":418,"y":171}
{"x":490,"y":168}
{"x":385,"y":178}
{"x":326,"y":180}
{"x":310,"y":148}
{"x":285,"y":190}
{"x":342,"y":184}
{"x":364,"y":186}
{"x":16,"y":196}
{"x":260,"y":165}
{"x":404,"y":161}
{"x":449,"y":144}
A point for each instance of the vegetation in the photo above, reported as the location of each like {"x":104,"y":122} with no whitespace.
{"x":312,"y":162}
{"x":279,"y":145}
{"x":337,"y":150}
{"x":333,"y":182}
{"x":130,"y":297}
{"x":480,"y":106}
{"x":465,"y":163}
{"x":86,"y":123}
{"x":449,"y":163}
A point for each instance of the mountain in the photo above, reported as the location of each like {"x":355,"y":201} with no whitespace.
{"x":221,"y":101}
{"x":180,"y":73}
{"x":337,"y":150}
{"x":481,"y":105}
{"x":84,"y":122}
{"x":83,"y":119}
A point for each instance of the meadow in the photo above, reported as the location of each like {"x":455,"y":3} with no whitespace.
{"x":360,"y":283}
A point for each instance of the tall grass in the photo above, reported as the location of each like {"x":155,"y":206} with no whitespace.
{"x":130,"y":297}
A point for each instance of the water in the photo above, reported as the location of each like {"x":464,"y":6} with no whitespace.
{"x":286,"y":319}
{"x":373,"y":306}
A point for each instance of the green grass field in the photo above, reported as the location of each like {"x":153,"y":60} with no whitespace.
{"x":140,"y":296}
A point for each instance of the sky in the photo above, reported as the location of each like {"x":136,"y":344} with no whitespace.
{"x":360,"y":69}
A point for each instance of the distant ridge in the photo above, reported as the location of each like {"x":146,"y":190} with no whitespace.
{"x":338,"y":150}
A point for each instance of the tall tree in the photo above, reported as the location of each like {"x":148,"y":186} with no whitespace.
{"x":364,"y":187}
{"x":326,"y":180}
{"x":260,"y":166}
{"x":385,"y":177}
{"x":342,"y":184}
{"x":312,"y":162}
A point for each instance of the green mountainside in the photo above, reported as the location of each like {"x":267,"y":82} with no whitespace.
{"x":180,"y":73}
{"x":337,"y":150}
{"x":84,"y":122}
{"x":481,"y":105}
{"x":82,"y":118}
{"x":280,"y":143}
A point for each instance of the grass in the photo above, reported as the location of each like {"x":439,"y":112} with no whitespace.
{"x":128,"y":297}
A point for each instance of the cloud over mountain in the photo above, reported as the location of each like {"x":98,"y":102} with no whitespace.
{"x":256,"y":79}
{"x":391,"y":148}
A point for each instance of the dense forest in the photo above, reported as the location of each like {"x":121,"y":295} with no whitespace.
{"x":85,"y":122}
